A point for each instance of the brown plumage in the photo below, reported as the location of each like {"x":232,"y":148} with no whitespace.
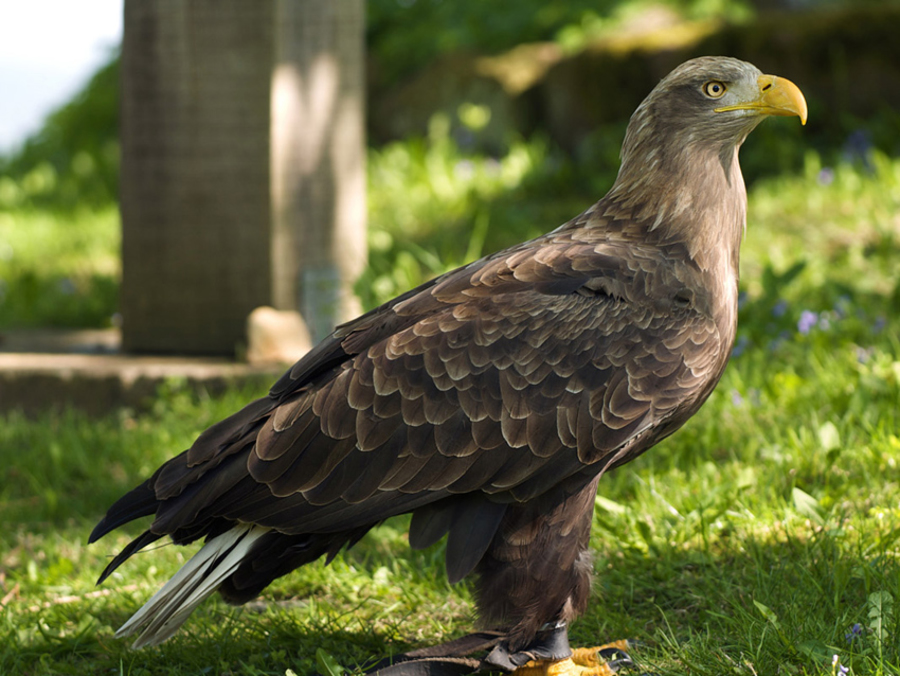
{"x":489,"y":401}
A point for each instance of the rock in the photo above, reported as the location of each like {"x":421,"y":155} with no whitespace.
{"x":276,"y":336}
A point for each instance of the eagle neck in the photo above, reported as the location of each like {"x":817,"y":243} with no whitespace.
{"x":692,"y":196}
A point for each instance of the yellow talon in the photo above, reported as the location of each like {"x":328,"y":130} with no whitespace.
{"x":583,"y":662}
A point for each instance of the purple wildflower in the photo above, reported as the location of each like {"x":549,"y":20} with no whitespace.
{"x":856,"y":631}
{"x":66,"y":286}
{"x":807,"y":321}
{"x":858,"y":147}
{"x":736,"y":399}
{"x":837,"y":667}
{"x":826,"y":176}
{"x":863,"y":354}
{"x":780,"y":308}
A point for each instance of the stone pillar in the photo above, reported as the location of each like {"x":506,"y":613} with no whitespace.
{"x":242,"y":167}
{"x":318,"y":157}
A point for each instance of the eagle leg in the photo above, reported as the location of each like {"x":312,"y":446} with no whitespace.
{"x":548,"y":646}
{"x":536,"y":575}
{"x":534,"y":579}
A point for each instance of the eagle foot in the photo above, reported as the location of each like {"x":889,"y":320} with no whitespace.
{"x":605,"y":660}
{"x":548,"y":655}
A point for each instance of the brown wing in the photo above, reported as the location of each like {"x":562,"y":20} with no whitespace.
{"x":529,"y":371}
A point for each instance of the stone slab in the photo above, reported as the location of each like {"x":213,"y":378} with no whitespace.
{"x":83,"y":370}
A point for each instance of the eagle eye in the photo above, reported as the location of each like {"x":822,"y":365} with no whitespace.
{"x":714,"y":89}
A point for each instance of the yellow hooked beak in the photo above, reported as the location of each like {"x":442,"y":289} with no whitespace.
{"x":777,"y":96}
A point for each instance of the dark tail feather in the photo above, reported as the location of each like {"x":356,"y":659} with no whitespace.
{"x":138,"y":502}
{"x":135,"y":545}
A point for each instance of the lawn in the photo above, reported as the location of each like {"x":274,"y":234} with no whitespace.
{"x":762,"y":539}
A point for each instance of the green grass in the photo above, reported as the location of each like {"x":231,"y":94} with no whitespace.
{"x":753,"y":541}
{"x":59,"y":268}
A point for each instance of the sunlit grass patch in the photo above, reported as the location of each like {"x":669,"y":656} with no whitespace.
{"x":59,"y":268}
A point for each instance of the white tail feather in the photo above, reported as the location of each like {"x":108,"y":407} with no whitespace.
{"x":163,"y":614}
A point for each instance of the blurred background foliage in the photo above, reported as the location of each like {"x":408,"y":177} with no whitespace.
{"x":431,"y":28}
{"x":461,"y":175}
{"x":73,"y":161}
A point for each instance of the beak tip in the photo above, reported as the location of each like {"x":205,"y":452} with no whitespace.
{"x":780,"y":96}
